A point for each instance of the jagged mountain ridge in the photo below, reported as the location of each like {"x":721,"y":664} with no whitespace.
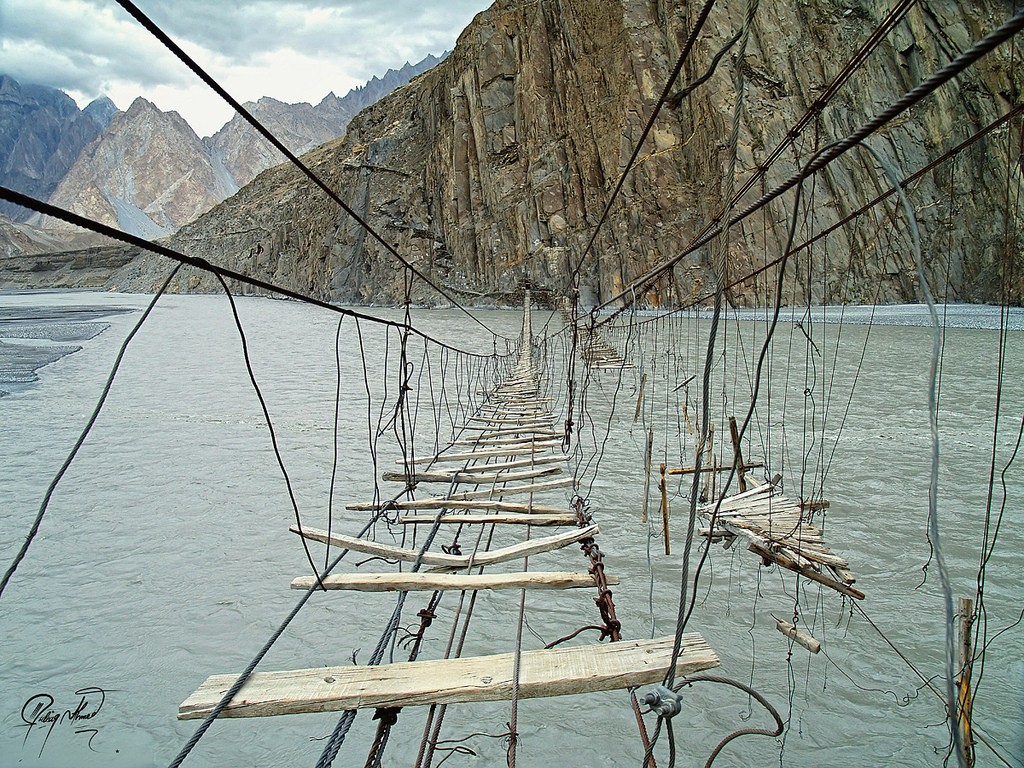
{"x":42,"y":133}
{"x":300,"y":127}
{"x":147,"y":172}
{"x":497,"y":163}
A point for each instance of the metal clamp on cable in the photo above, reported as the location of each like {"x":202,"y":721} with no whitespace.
{"x":664,"y":701}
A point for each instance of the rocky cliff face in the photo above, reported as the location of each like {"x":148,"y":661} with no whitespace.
{"x":497,"y":163}
{"x":42,"y":133}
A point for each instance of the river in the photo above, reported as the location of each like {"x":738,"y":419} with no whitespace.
{"x":165,"y":555}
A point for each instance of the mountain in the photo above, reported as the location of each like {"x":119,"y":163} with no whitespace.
{"x":42,"y":133}
{"x":147,"y":174}
{"x":300,"y":127}
{"x":497,"y":163}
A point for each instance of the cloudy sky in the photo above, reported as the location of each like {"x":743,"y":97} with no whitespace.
{"x":293,"y":50}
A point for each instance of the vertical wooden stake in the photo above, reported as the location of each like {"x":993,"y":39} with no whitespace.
{"x":664,"y":509}
{"x":647,"y":473}
{"x":709,"y":462}
{"x":963,"y":683}
{"x":737,"y":451}
{"x":688,"y":420}
{"x":640,"y":398}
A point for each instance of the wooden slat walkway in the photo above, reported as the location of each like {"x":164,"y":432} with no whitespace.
{"x":596,"y":352}
{"x":555,"y":672}
{"x":512,"y":441}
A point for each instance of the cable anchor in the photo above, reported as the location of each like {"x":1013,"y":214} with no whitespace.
{"x":663,"y":701}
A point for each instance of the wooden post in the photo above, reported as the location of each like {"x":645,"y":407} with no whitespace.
{"x":737,"y":453}
{"x":664,"y":509}
{"x":647,"y":473}
{"x":640,"y":398}
{"x":688,"y":420}
{"x":709,"y":448}
{"x":963,"y":682}
{"x":711,"y":461}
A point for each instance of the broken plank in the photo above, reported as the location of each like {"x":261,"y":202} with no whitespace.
{"x":554,"y":672}
{"x":410,"y":582}
{"x":809,"y":573}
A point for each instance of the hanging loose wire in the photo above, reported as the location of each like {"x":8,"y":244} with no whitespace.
{"x":952,"y":701}
{"x":719,"y":272}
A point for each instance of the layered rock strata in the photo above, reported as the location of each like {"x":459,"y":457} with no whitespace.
{"x":497,"y":163}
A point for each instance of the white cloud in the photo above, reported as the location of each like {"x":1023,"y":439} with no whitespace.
{"x":293,"y":50}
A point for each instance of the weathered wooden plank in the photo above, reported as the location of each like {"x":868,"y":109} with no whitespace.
{"x":810,"y":573}
{"x":485,"y":493}
{"x":489,"y":557}
{"x":720,"y":468}
{"x":484,"y":452}
{"x":507,"y":519}
{"x":513,"y":490}
{"x":555,"y":672}
{"x":798,"y":636}
{"x":511,"y":426}
{"x":506,"y":420}
{"x":426,"y":581}
{"x":498,"y":465}
{"x":441,"y":502}
{"x":535,"y":443}
{"x":470,"y":478}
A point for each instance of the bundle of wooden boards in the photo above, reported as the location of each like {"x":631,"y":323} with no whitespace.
{"x":777,"y":529}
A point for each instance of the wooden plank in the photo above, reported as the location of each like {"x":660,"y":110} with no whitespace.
{"x":495,"y":493}
{"x":513,"y":490}
{"x":419,"y":582}
{"x":794,"y":634}
{"x":443,"y":503}
{"x":484,"y":453}
{"x":534,"y":443}
{"x":810,"y":573}
{"x":471,"y":478}
{"x":505,"y":419}
{"x":499,"y":465}
{"x":722,"y":468}
{"x":509,"y":519}
{"x":555,"y":672}
{"x":510,"y":426}
{"x":489,"y":557}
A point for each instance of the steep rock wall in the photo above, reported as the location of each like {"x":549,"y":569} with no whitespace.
{"x":497,"y":163}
